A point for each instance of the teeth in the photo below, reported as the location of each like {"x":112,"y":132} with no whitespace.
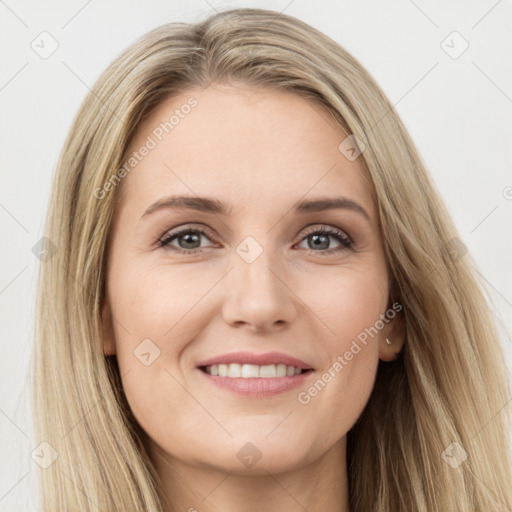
{"x":247,"y":371}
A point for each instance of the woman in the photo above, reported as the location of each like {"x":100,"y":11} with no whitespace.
{"x":325,"y":346}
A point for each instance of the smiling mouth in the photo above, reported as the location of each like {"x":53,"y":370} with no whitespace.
{"x":248,"y":371}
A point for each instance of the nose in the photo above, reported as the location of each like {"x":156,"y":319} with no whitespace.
{"x":258,"y":296}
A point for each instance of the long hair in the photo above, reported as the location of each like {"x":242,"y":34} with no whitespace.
{"x":444,"y":399}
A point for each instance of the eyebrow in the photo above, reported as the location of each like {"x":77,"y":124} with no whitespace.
{"x":216,"y":207}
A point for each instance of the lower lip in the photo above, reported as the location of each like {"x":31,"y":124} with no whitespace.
{"x":257,"y":387}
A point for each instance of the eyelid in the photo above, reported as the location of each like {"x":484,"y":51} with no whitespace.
{"x":171,"y":233}
{"x":347,"y":241}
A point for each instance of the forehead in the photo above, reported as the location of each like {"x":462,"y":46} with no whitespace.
{"x":249,"y":147}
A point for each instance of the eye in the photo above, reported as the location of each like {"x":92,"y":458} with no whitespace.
{"x":319,"y":238}
{"x":189,"y":240}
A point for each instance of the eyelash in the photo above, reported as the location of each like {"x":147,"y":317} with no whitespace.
{"x":344,"y":239}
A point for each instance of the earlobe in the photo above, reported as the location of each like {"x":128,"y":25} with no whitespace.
{"x":392,"y":338}
{"x":107,"y":330}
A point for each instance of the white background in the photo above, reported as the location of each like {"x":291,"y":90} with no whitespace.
{"x":458,"y":112}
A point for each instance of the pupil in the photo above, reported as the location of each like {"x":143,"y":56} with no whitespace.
{"x":317,"y":241}
{"x":190,"y":238}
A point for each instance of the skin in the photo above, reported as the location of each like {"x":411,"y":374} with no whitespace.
{"x":258,"y":151}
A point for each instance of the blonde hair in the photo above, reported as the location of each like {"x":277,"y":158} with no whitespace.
{"x":450,"y":384}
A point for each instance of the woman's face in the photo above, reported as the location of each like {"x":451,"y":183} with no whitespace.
{"x":258,"y":273}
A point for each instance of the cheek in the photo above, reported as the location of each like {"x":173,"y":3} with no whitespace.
{"x":156,"y":303}
{"x":156,"y":313}
{"x":349,"y":309}
{"x":347,"y":304}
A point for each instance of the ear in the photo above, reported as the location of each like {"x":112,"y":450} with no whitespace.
{"x":393,"y":331}
{"x":107,"y":329}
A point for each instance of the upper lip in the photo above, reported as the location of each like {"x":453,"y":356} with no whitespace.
{"x":257,"y":359}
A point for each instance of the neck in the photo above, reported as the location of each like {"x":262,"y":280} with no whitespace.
{"x":316,"y":486}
